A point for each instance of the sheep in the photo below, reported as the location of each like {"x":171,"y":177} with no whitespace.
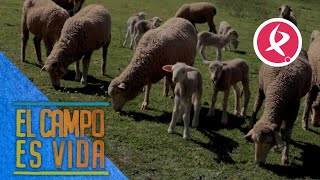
{"x":188,"y":91}
{"x":44,"y":19}
{"x":131,"y":23}
{"x":223,"y":29}
{"x":313,"y":96}
{"x":282,"y":89}
{"x":72,"y":6}
{"x":198,"y":13}
{"x":174,"y":41}
{"x":287,"y":13}
{"x":143,"y":26}
{"x":86,"y":31}
{"x":217,"y":40}
{"x":227,"y":74}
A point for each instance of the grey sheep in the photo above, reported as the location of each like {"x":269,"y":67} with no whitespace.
{"x":130,"y":27}
{"x":188,"y":92}
{"x":202,"y":12}
{"x":86,"y":31}
{"x":217,"y":40}
{"x":225,"y":75}
{"x":143,"y":26}
{"x":282,"y":89}
{"x":44,"y":19}
{"x":287,"y":13}
{"x":223,"y":30}
{"x":313,"y":96}
{"x":72,"y":6}
{"x":174,"y":41}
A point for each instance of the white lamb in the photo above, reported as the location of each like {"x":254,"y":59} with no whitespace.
{"x":217,"y":40}
{"x":188,"y":91}
{"x":143,"y":26}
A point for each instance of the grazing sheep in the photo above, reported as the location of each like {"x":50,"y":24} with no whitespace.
{"x":188,"y":91}
{"x":282,"y":88}
{"x":44,"y":19}
{"x":174,"y":41}
{"x":217,"y":40}
{"x":223,"y":30}
{"x":313,"y":96}
{"x":143,"y":26}
{"x":72,"y":6}
{"x":227,"y":74}
{"x":86,"y":31}
{"x":287,"y":13}
{"x":131,"y":23}
{"x":198,"y":13}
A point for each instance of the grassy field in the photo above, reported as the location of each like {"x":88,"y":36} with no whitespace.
{"x":137,"y":141}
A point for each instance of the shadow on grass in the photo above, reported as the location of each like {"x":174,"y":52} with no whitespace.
{"x":165,"y":118}
{"x":34,"y":64}
{"x":239,"y":52}
{"x":310,"y":163}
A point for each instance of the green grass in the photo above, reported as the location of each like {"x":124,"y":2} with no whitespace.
{"x":137,"y":141}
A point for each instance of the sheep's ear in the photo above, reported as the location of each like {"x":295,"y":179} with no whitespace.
{"x":167,"y":68}
{"x":249,"y":136}
{"x":122,"y":86}
{"x":190,"y":68}
{"x":160,"y":20}
{"x":290,"y":9}
{"x":278,"y":138}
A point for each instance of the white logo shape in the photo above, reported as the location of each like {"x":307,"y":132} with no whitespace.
{"x":276,"y":46}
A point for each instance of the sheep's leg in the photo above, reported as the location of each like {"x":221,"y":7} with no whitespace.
{"x":24,"y":40}
{"x":213,"y":102}
{"x":197,"y":108}
{"x":78,"y":75}
{"x":311,"y":96}
{"x":186,"y":120}
{"x":172,"y":85}
{"x":203,"y":52}
{"x":181,"y":112}
{"x":219,"y":54}
{"x":237,"y":99}
{"x":247,"y":95}
{"x":37,"y":46}
{"x":104,"y":57}
{"x":175,"y":115}
{"x":132,"y":33}
{"x":257,"y":105}
{"x":48,"y":45}
{"x":211,"y":25}
{"x":85,"y":67}
{"x":165,"y":87}
{"x":224,"y":119}
{"x":145,"y":103}
{"x":127,"y":36}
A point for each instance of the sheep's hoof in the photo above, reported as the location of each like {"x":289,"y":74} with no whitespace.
{"x":210,"y":113}
{"x":304,"y":126}
{"x":144,"y":106}
{"x":171,"y":131}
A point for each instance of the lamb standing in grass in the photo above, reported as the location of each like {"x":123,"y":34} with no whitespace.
{"x":174,"y":41}
{"x":217,"y":40}
{"x":44,"y":19}
{"x":143,"y":26}
{"x":282,"y":88}
{"x":188,"y":91}
{"x":131,"y":23}
{"x":72,"y":6}
{"x":86,"y":31}
{"x":227,"y":74}
{"x":223,"y":30}
{"x":287,"y":13}
{"x":313,"y":96}
{"x":198,"y":13}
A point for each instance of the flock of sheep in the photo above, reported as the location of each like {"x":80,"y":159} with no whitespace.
{"x":168,"y":51}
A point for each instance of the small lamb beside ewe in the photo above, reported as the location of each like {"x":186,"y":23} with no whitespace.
{"x":143,"y":26}
{"x":131,"y":22}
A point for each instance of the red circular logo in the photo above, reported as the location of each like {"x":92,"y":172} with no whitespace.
{"x":277,"y":42}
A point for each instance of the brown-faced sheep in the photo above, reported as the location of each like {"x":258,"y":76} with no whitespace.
{"x":223,"y":30}
{"x":224,"y":75}
{"x":86,"y":31}
{"x":131,"y":23}
{"x":174,"y":41}
{"x":44,"y":19}
{"x":287,"y":13}
{"x":282,"y":88}
{"x":198,"y":13}
{"x":72,"y":6}
{"x":313,"y":96}
{"x":188,"y":92}
{"x":143,"y":26}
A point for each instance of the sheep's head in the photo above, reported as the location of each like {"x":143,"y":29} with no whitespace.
{"x":179,"y":71}
{"x":56,"y":72}
{"x":156,"y":21}
{"x":77,"y":4}
{"x":232,"y":34}
{"x":284,"y":11}
{"x":235,"y":43}
{"x":216,"y":70}
{"x":265,"y":135}
{"x":142,"y":15}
